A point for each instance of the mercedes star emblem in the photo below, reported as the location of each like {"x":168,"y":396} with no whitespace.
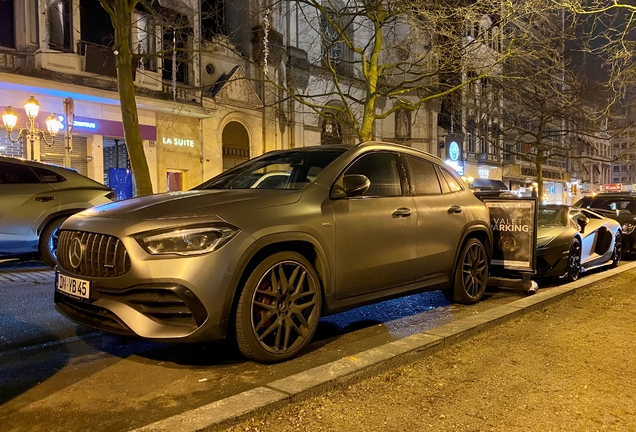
{"x":75,"y":253}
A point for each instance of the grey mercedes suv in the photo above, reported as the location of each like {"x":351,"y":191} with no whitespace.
{"x":348,"y":226}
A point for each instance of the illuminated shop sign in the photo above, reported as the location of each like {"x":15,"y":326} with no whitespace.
{"x":79,"y":123}
{"x":179,"y":142}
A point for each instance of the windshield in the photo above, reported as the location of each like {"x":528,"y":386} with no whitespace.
{"x":552,"y":217}
{"x":291,"y":169}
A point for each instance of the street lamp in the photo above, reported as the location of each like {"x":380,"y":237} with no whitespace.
{"x":31,"y":132}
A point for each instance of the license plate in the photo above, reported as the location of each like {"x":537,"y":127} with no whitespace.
{"x":73,"y":286}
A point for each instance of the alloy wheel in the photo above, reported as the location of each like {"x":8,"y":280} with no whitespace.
{"x":475,"y":270}
{"x":284,"y":307}
{"x":574,"y":261}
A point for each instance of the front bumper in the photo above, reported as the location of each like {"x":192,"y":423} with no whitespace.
{"x":552,"y":261}
{"x":165,"y":298}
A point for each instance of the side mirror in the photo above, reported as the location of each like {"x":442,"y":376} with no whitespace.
{"x":352,"y":185}
{"x":582,"y":221}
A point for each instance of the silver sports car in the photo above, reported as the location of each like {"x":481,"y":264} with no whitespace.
{"x":345,"y":226}
{"x":571,"y":240}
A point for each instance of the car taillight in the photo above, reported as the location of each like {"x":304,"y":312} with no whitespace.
{"x":111,"y":196}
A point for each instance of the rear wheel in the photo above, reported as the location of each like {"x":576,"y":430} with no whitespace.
{"x":574,"y":261}
{"x":279,"y":308}
{"x":48,"y":241}
{"x":471,"y":274}
{"x":618,"y":250}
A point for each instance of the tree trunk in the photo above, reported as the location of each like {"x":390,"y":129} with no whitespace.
{"x":122,"y":23}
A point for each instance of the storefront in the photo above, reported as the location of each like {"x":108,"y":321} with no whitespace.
{"x":179,"y":158}
{"x":95,"y":129}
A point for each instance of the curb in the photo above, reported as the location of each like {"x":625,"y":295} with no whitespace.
{"x":317,"y":380}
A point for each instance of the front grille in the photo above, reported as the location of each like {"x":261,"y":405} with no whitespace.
{"x":102,"y":255}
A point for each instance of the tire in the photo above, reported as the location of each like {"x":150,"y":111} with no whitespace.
{"x":274,"y":323}
{"x":48,"y":241}
{"x":618,"y":250}
{"x":573,"y":269}
{"x":471,"y":274}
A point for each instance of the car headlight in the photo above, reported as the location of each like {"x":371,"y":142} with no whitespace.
{"x":543,"y":241}
{"x":628,"y":228}
{"x":187,"y":240}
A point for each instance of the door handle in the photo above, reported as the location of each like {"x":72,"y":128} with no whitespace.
{"x":402,"y":212}
{"x":44,"y":198}
{"x":454,"y":209}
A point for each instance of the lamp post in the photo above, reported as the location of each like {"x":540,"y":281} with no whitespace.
{"x":31,"y":132}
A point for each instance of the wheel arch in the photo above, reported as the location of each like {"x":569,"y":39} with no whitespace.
{"x":303,"y":243}
{"x":50,"y":218}
{"x":481,"y":233}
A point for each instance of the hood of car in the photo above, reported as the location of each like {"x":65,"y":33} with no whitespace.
{"x":188,"y":204}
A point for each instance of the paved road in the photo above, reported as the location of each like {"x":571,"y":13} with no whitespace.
{"x":66,"y":376}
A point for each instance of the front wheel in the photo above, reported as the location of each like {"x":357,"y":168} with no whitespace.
{"x":618,"y":250}
{"x":574,"y":261}
{"x":471,"y":274}
{"x":279,"y":308}
{"x":48,"y":241}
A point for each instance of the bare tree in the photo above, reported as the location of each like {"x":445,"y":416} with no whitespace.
{"x":398,"y":55}
{"x":120,"y":12}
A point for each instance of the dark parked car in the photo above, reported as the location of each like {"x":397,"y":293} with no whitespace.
{"x":35,"y":199}
{"x":349,"y":226}
{"x":620,"y":206}
{"x":487,"y":188}
{"x":571,"y":240}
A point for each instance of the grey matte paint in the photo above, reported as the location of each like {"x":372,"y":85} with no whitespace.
{"x":361,"y":250}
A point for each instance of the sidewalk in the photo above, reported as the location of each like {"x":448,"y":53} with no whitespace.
{"x":568,"y":366}
{"x":561,"y":359}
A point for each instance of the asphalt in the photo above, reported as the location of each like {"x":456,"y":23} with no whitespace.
{"x":317,"y":380}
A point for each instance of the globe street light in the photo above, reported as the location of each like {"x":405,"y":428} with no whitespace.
{"x":31,"y":132}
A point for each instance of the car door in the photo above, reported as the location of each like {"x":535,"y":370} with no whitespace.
{"x":25,"y":203}
{"x":375,"y":233}
{"x":440,"y":219}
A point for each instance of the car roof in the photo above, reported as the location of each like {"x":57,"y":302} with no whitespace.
{"x":68,"y":173}
{"x":615,"y":195}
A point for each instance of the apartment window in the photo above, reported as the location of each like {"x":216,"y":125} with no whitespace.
{"x":616,"y":168}
{"x":7,"y":30}
{"x":334,"y":52}
{"x":146,"y":42}
{"x":59,"y":24}
{"x":175,"y":41}
{"x":615,"y":179}
{"x":470,"y":135}
{"x":403,"y":123}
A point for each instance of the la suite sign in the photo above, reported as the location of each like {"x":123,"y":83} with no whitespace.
{"x":178,"y":142}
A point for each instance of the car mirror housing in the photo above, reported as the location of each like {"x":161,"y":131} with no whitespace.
{"x":582,"y":221}
{"x":352,"y":185}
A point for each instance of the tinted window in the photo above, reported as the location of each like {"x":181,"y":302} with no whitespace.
{"x":47,"y":176}
{"x":13,"y":173}
{"x":300,"y":167}
{"x":382,"y":171}
{"x":454,"y":184}
{"x":423,"y":177}
{"x":553,"y":216}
